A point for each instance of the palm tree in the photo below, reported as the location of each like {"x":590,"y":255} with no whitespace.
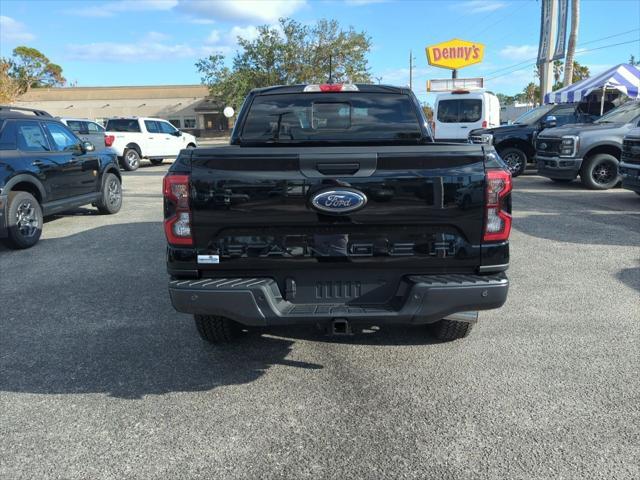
{"x":573,"y":39}
{"x":580,"y":72}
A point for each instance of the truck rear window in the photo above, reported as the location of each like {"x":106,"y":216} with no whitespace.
{"x":459,"y":110}
{"x":331,"y":117}
{"x":123,"y":125}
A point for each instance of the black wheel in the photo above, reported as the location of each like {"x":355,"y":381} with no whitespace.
{"x":191,"y":145}
{"x":131,"y":159}
{"x":217,"y":329}
{"x":600,"y":172}
{"x":156,"y":161}
{"x":448,"y":330}
{"x":561,"y":180}
{"x":515,"y":159}
{"x":24,"y":220}
{"x":110,"y":199}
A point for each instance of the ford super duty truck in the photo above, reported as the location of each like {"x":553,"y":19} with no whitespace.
{"x":332,"y":206}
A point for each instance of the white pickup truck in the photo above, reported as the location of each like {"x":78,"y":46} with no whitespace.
{"x":135,"y":138}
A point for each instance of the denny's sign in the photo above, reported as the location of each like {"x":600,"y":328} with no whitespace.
{"x":455,"y":54}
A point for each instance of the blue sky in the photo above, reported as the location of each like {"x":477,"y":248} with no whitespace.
{"x":146,"y":42}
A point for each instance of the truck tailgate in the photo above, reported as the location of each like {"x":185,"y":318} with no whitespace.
{"x":424,"y":207}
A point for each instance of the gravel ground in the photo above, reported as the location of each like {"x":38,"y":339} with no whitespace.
{"x":101,"y":379}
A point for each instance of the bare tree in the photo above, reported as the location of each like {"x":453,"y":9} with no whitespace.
{"x":573,"y":39}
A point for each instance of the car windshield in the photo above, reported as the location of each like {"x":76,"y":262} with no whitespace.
{"x":532,"y":116}
{"x":623,"y":114}
{"x":340,"y":117}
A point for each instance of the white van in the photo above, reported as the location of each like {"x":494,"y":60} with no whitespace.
{"x":457,"y":113}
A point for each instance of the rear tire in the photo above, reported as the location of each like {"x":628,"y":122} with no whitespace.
{"x":156,"y":161}
{"x":515,"y":159}
{"x":24,"y":221}
{"x":110,"y":200}
{"x":448,"y":330}
{"x":217,"y":330}
{"x":600,"y":172}
{"x":130,"y":159}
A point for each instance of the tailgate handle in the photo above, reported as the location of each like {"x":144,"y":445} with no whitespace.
{"x":337,"y":168}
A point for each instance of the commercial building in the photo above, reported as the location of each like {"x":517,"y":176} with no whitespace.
{"x":188,"y":107}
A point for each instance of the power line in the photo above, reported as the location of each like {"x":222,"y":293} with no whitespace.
{"x":585,"y":43}
{"x":577,"y":53}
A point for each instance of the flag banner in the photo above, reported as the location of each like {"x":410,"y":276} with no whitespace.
{"x":561,"y":40}
{"x":545,"y":32}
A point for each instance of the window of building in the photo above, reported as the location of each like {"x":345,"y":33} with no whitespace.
{"x":175,"y":122}
{"x":190,"y":123}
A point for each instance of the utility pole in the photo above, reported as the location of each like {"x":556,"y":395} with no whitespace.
{"x":411,"y":60}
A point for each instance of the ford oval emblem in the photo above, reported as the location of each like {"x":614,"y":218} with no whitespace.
{"x":339,"y":201}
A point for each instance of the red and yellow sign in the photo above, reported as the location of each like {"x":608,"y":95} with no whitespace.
{"x":455,"y":54}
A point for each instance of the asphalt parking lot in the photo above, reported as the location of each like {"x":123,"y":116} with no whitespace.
{"x":100,"y":378}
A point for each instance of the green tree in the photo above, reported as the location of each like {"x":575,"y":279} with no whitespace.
{"x":9,"y":88}
{"x":632,"y":61}
{"x":32,"y":69}
{"x":580,"y":72}
{"x":505,"y":99}
{"x":287,"y":54}
{"x":428,"y":111}
{"x":530,"y":94}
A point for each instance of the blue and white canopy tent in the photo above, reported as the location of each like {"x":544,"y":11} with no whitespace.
{"x":624,"y":78}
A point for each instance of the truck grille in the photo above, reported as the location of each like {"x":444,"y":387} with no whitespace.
{"x":548,"y":146}
{"x":631,"y":150}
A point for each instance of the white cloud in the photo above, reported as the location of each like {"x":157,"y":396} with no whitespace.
{"x":519,"y":52}
{"x":128,"y":52}
{"x":480,"y":6}
{"x":248,"y":33}
{"x":213,"y":38}
{"x":243,"y":11}
{"x":13,"y":31}
{"x":109,"y":9}
{"x":151,"y":47}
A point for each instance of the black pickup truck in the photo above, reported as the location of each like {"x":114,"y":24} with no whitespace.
{"x":333,"y":206}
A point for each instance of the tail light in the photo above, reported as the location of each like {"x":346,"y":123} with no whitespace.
{"x":108,"y":140}
{"x":484,"y":124}
{"x":177,"y":209}
{"x":331,"y":87}
{"x":497,"y":225}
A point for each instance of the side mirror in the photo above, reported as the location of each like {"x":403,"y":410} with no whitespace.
{"x":178,"y":133}
{"x":88,"y":147}
{"x":550,"y":122}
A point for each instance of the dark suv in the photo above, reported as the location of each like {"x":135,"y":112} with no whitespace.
{"x":45,"y":169}
{"x":515,"y":142}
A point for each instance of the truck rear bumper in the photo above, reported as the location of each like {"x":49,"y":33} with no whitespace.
{"x":421,"y":299}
